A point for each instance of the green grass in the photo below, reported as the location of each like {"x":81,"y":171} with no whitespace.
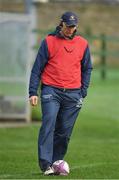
{"x":94,"y":147}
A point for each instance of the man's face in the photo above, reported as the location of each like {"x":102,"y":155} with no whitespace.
{"x":68,"y":30}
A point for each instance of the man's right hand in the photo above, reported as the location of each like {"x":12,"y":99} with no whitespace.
{"x":33,"y":100}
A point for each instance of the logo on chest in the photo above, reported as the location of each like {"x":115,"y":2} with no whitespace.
{"x":69,"y":49}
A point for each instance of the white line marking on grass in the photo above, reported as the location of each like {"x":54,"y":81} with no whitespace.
{"x":94,"y":165}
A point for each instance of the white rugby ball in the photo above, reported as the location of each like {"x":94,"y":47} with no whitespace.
{"x":61,"y":167}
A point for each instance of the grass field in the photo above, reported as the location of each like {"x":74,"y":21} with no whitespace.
{"x":94,"y":147}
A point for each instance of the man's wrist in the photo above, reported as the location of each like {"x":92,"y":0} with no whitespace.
{"x":33,"y":94}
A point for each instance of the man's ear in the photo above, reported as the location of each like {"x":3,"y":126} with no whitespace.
{"x":63,"y":24}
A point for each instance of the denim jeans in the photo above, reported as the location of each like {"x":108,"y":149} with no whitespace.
{"x":60,"y":108}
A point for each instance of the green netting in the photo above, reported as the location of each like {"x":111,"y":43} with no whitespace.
{"x":14,"y":59}
{"x":13,"y":44}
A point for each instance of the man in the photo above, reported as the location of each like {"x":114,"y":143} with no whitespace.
{"x":63,"y":66}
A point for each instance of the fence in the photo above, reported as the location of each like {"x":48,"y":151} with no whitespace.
{"x":104,"y":50}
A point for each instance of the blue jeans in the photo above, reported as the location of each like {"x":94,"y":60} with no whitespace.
{"x":60,"y":109}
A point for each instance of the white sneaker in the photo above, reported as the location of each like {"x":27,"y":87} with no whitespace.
{"x":49,"y":171}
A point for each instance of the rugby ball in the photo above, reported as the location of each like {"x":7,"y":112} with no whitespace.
{"x":61,"y":167}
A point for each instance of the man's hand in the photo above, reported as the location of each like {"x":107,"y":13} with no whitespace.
{"x":33,"y":100}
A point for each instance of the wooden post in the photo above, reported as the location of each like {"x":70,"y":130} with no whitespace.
{"x":103,"y":56}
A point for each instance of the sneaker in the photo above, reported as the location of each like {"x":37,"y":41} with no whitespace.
{"x":49,"y":171}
